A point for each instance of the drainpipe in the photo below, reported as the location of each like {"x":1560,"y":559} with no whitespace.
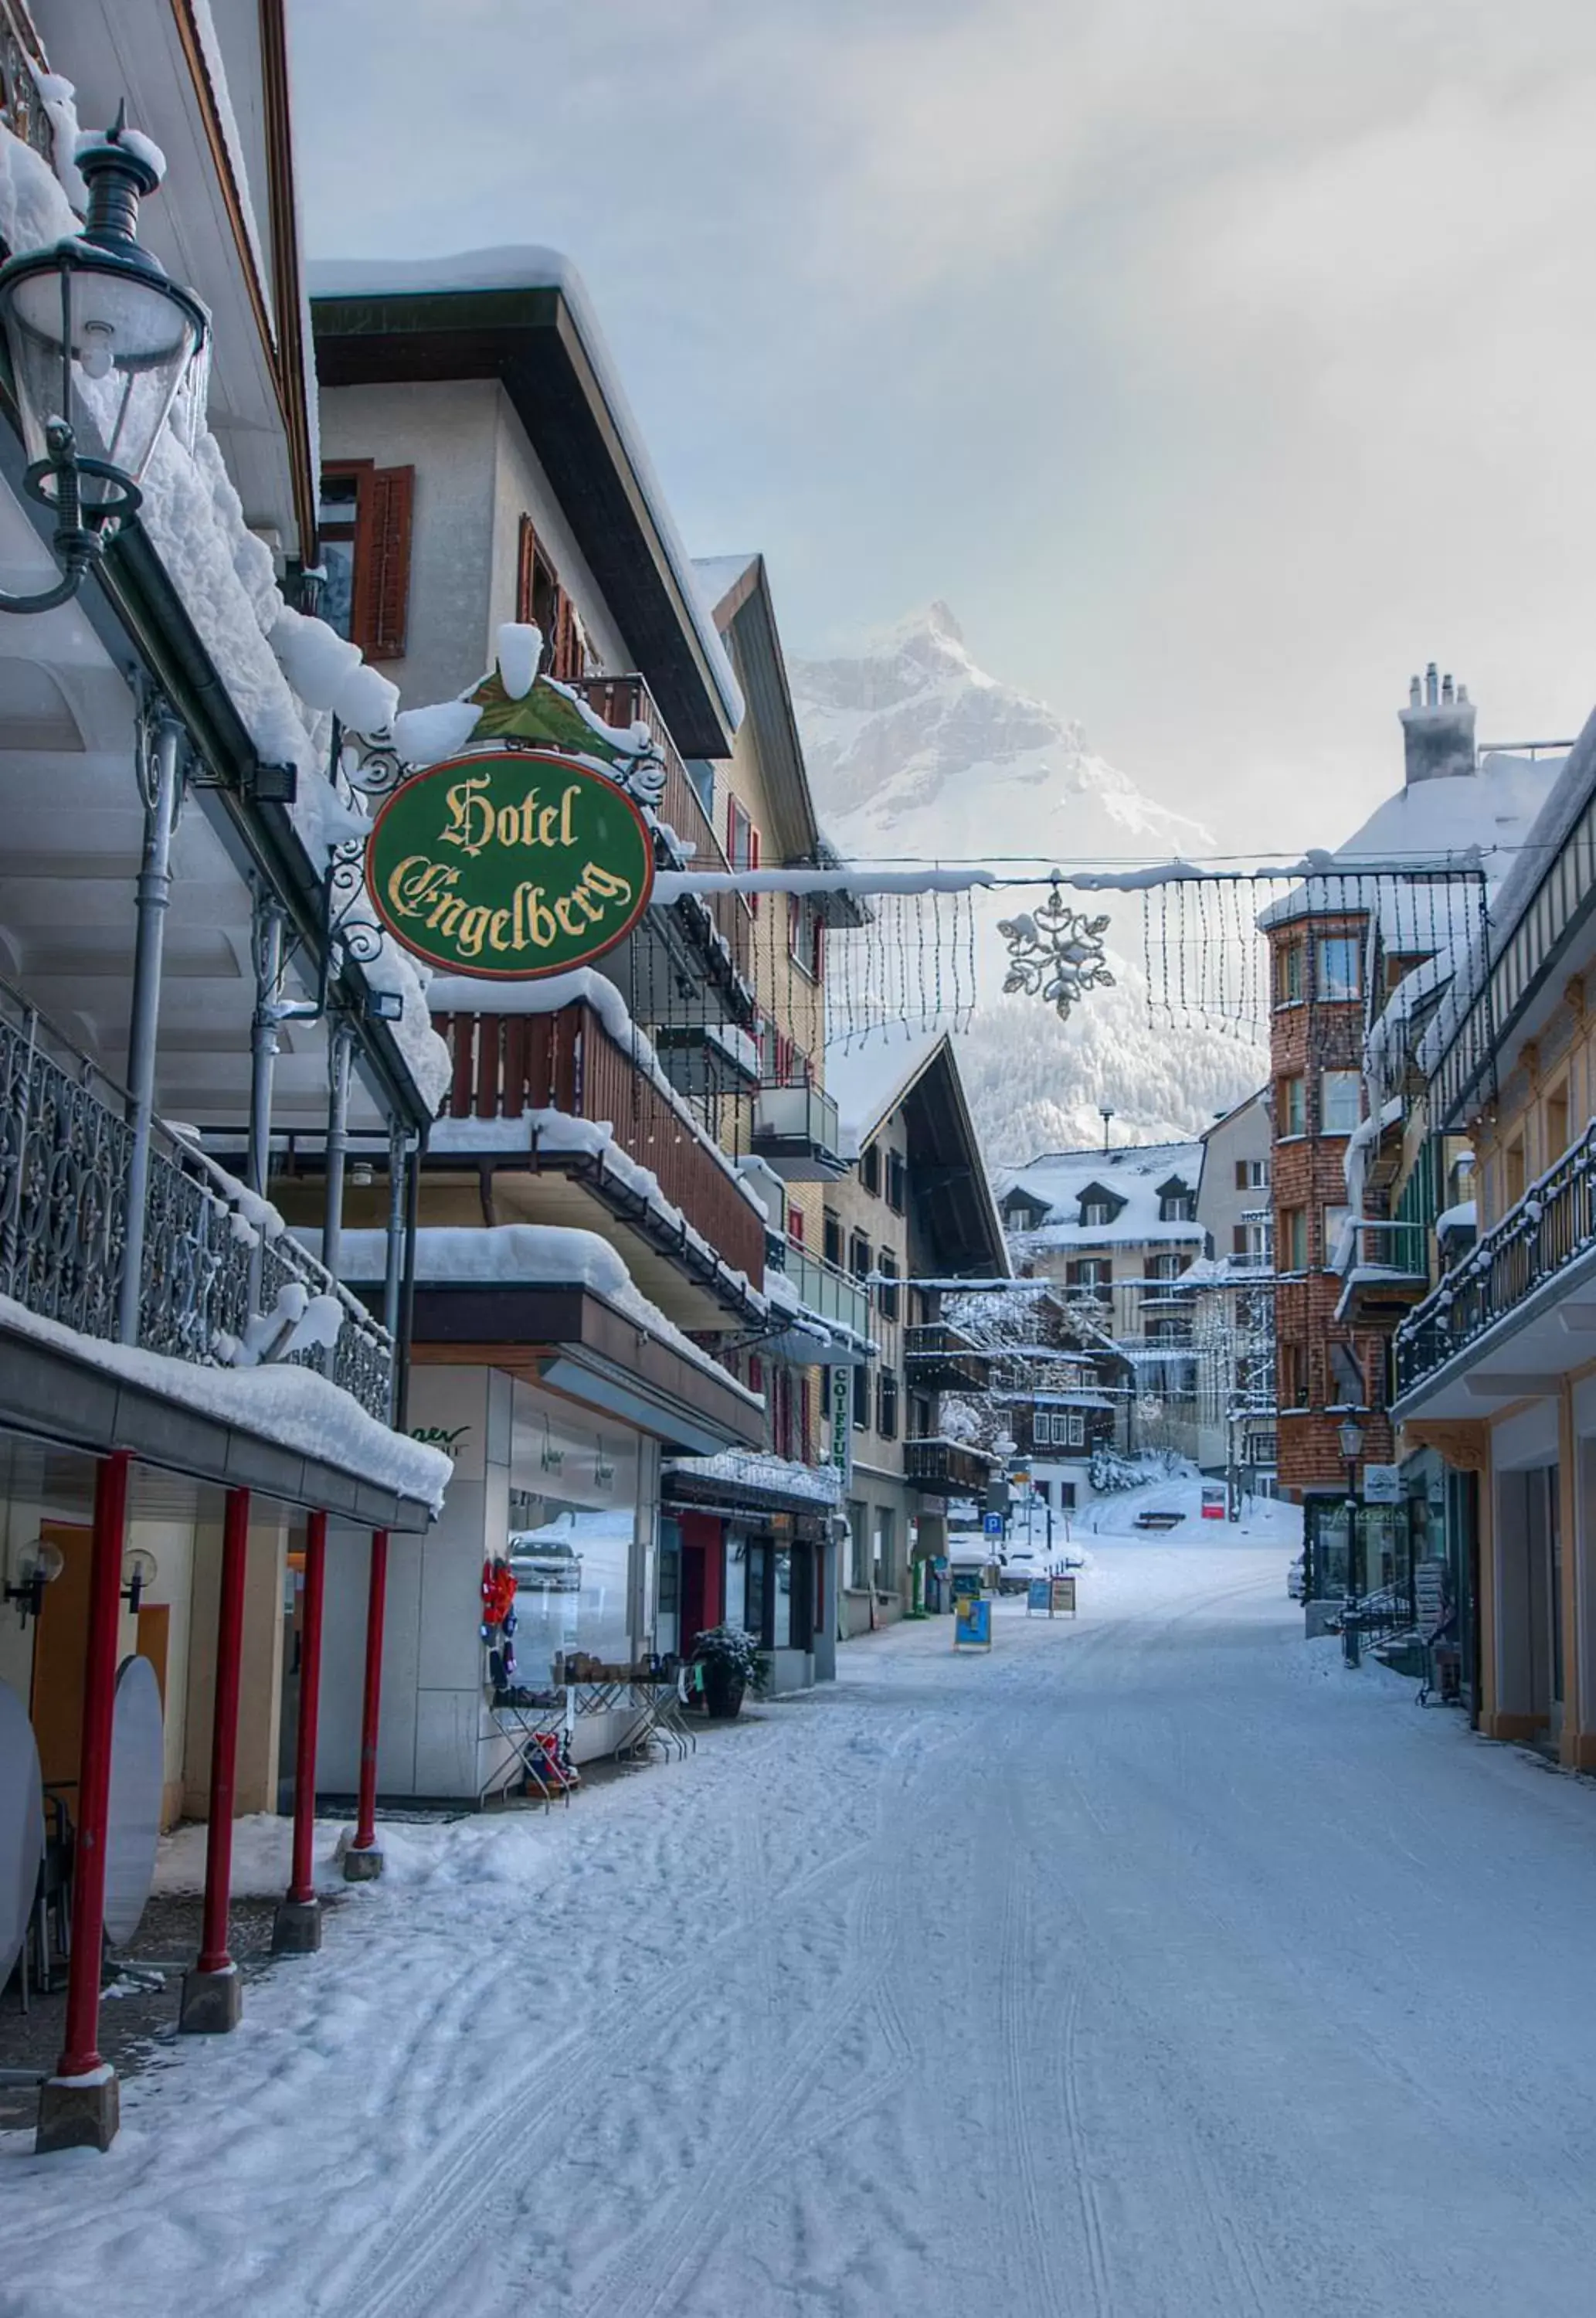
{"x":269,"y":917}
{"x":339,"y":1058}
{"x":154,"y":894}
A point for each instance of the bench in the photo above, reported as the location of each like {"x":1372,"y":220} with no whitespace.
{"x":1153,"y":1519}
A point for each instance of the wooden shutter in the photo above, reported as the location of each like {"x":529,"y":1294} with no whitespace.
{"x":1238,"y":1239}
{"x":393,"y":492}
{"x":1241,"y":1174}
{"x":526,"y":560}
{"x":567,"y":652}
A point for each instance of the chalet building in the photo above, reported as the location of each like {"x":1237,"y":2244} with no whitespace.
{"x":1496,"y":1381}
{"x":1340,"y":944}
{"x":913,"y":1217}
{"x":197,"y":1420}
{"x":1119,"y":1230}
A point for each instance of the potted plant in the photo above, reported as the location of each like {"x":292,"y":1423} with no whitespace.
{"x":731,"y":1666}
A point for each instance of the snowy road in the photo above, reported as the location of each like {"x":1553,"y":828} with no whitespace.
{"x":1152,"y":1968}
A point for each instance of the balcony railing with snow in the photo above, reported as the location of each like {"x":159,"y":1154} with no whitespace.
{"x":21,"y":60}
{"x":625,"y":700}
{"x":941,"y":1358}
{"x":1552,"y":1225}
{"x":514,"y":1066}
{"x":215,"y":1260}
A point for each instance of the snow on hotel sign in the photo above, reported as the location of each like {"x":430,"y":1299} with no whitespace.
{"x":509,"y":865}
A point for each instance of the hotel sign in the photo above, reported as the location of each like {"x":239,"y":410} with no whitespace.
{"x":509,"y":865}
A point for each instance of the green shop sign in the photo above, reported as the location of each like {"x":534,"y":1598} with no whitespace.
{"x":509,"y":865}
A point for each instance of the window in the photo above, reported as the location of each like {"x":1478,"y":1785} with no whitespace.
{"x":883,"y":1544}
{"x":886,"y":1404}
{"x":795,"y":1226}
{"x":831,"y":1238}
{"x":806,"y":935}
{"x":1059,"y":1428}
{"x":1294,"y":1239}
{"x":364,"y":522}
{"x":1066,"y":1497}
{"x":1163,"y":1267}
{"x":1556,"y":1123}
{"x":1348,"y":1387}
{"x":870,"y":1168}
{"x":919,"y":1418}
{"x":1289,"y":978}
{"x":1294,"y":1376}
{"x":895,"y":1182}
{"x":859,"y":1256}
{"x":1176,"y":1204}
{"x":1252,"y":1174}
{"x":1335,"y":1221}
{"x":1291,"y":1108}
{"x":886,"y":1297}
{"x":1512,"y":1172}
{"x":1088,"y":1272}
{"x":743,"y":844}
{"x":1095,"y":1214}
{"x":858,"y":1540}
{"x":1340,"y":1102}
{"x":1338,"y":964}
{"x":861,"y":1399}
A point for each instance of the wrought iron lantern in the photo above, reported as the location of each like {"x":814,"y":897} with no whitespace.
{"x":1350,"y":1434}
{"x":102,"y":345}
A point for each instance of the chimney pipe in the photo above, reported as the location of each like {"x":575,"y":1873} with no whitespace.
{"x":1437,"y":729}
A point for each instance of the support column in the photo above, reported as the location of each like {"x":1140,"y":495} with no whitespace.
{"x":340,"y":1058}
{"x":393,"y":1274}
{"x":213,"y":1999}
{"x":269,"y":918}
{"x":297,"y":1930}
{"x":363,"y":1862}
{"x":153,"y":900}
{"x":79,"y":2105}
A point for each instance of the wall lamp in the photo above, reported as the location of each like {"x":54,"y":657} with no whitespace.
{"x":39,"y":1565}
{"x":101,"y":345}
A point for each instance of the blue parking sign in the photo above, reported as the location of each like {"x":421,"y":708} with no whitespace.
{"x":994,"y":1524}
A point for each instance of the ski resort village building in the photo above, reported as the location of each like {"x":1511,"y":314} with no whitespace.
{"x":1118,"y":1229}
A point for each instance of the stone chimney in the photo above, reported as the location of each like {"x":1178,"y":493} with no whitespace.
{"x":1437,"y":729}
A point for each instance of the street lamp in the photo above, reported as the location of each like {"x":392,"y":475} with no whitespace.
{"x":1350,"y":1434}
{"x":101,"y":345}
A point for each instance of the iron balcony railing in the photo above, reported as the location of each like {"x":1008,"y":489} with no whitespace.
{"x":213,"y":1257}
{"x":1548,"y":1229}
{"x":826,"y":1291}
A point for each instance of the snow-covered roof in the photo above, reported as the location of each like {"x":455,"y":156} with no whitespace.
{"x":1134,"y":1174}
{"x":868,"y":1078}
{"x":757,"y":1471}
{"x":532,"y":267}
{"x":717,"y":575}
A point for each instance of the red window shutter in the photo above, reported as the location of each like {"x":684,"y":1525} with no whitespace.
{"x":526,"y":558}
{"x":567,"y":660}
{"x":805,"y":1414}
{"x":756,"y":1373}
{"x":393,"y":492}
{"x":795,"y":1226}
{"x":753,"y":864}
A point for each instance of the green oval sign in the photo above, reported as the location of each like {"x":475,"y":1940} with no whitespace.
{"x":509,"y":865}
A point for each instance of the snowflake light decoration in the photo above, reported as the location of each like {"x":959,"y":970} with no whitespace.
{"x":1056,"y":953}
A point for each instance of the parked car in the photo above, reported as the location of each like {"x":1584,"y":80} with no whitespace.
{"x":1294,"y":1580}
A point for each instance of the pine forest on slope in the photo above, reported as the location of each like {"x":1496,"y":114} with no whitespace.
{"x":917,"y":755}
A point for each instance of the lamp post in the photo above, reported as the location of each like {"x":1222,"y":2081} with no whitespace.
{"x":1350,"y":1434}
{"x":101,"y":345}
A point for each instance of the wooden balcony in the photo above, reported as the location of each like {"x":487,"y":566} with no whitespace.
{"x":627,"y":700}
{"x":948,"y":1469}
{"x":694,"y":1214}
{"x":941,"y":1358}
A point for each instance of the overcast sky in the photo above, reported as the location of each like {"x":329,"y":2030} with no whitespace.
{"x":1218,"y":361}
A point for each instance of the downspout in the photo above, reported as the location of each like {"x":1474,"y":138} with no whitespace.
{"x":153,"y":900}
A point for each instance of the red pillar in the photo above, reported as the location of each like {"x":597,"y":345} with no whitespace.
{"x":80,"y":2056}
{"x":365,"y":1824}
{"x":224,"y":1735}
{"x":301,"y":1889}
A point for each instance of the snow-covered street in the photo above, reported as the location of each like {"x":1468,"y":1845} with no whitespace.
{"x":1152,"y":1966}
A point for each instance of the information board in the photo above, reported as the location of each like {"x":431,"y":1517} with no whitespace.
{"x":1037,"y":1596}
{"x":1062,"y":1601}
{"x":971,"y":1623}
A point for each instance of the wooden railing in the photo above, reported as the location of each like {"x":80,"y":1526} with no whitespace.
{"x":508,"y":1065}
{"x":935,"y":1464}
{"x":626,"y":700}
{"x":1552,"y":1225}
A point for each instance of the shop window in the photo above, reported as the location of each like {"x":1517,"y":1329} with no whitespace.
{"x":886,"y":1404}
{"x":365,"y":523}
{"x":895,"y":1182}
{"x":1291,"y":1107}
{"x":1340,"y":1102}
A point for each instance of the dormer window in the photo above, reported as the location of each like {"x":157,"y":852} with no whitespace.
{"x":1023,"y":1213}
{"x":1177,"y":1202}
{"x":1099,"y":1207}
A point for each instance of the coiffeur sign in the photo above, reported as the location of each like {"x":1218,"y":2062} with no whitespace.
{"x":509,"y":865}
